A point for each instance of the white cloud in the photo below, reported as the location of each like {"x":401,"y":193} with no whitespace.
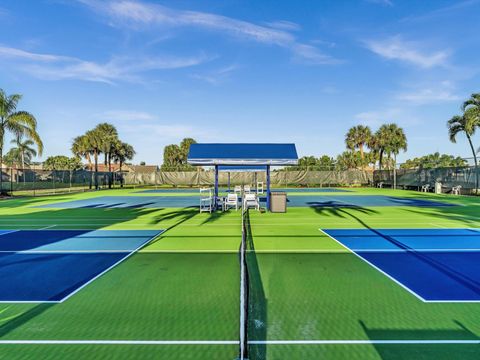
{"x":377,"y":118}
{"x":395,"y":48}
{"x":428,"y":95}
{"x":284,"y":25}
{"x":400,"y":116}
{"x":55,"y":67}
{"x":217,"y":76}
{"x":9,"y":52}
{"x":141,"y":15}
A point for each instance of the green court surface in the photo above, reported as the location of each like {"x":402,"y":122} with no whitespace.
{"x":179,"y":296}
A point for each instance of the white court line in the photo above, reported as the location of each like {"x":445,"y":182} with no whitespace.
{"x":359,"y":342}
{"x":128,"y":254}
{"x":235,"y":342}
{"x":9,"y":232}
{"x":440,"y":226}
{"x":118,"y":342}
{"x":398,"y":282}
{"x":376,"y":267}
{"x":47,"y":227}
{"x":111,"y":267}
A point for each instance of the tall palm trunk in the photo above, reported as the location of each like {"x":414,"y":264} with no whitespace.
{"x":362,"y":156}
{"x":110,"y":175}
{"x":1,"y":169}
{"x":475,"y":160}
{"x":23,"y":166}
{"x":121,"y":174}
{"x":394,"y":171}
{"x":380,"y":159}
{"x":95,"y":156}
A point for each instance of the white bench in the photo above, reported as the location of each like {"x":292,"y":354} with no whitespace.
{"x":426,"y":188}
{"x":456,"y":190}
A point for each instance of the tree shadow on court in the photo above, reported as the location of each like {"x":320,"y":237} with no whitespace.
{"x":257,"y":301}
{"x":464,"y":215}
{"x":426,"y":258}
{"x":458,"y":331}
{"x":342,"y":211}
{"x":20,"y":318}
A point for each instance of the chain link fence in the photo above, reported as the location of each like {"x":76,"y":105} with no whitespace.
{"x":37,"y":182}
{"x":278,"y":178}
{"x":16,"y":181}
{"x":414,"y":179}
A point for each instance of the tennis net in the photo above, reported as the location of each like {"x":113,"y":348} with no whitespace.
{"x":244,"y":286}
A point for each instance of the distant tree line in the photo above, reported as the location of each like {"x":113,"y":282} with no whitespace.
{"x":435,"y":160}
{"x":175,"y":156}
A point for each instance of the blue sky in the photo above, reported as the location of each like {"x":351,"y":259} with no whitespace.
{"x":241,"y":71}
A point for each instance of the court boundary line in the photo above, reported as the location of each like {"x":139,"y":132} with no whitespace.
{"x":398,"y":282}
{"x":112,"y":266}
{"x":375,"y":267}
{"x":235,"y":342}
{"x":129,"y":254}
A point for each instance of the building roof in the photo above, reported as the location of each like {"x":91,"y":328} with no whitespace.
{"x":242,"y":154}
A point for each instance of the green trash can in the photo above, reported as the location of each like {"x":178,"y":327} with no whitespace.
{"x":278,"y":201}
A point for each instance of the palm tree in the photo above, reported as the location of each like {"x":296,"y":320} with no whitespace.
{"x":16,"y":122}
{"x":121,"y":153}
{"x":95,"y":141}
{"x":81,"y":149}
{"x":381,"y":139}
{"x":25,"y":150}
{"x":466,"y":123}
{"x":397,"y":141}
{"x":473,"y":102}
{"x":357,"y":138}
{"x":109,"y":136}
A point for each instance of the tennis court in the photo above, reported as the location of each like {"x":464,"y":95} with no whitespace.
{"x":359,"y":280}
{"x":181,"y":201}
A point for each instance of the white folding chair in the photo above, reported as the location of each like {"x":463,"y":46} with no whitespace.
{"x":230,"y":201}
{"x":247,"y":189}
{"x":260,"y":187}
{"x":426,"y":188}
{"x":237,"y":189}
{"x":206,"y":200}
{"x":456,"y":190}
{"x":251,"y":200}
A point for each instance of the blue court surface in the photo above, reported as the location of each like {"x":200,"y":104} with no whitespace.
{"x":168,"y":191}
{"x":129,"y":202}
{"x":438,"y":265}
{"x":314,"y":201}
{"x":51,"y":265}
{"x":359,"y":201}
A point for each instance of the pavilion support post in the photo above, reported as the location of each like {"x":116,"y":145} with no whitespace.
{"x":268,"y":187}
{"x":215,"y":194}
{"x":255,"y":181}
{"x":229,"y":181}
